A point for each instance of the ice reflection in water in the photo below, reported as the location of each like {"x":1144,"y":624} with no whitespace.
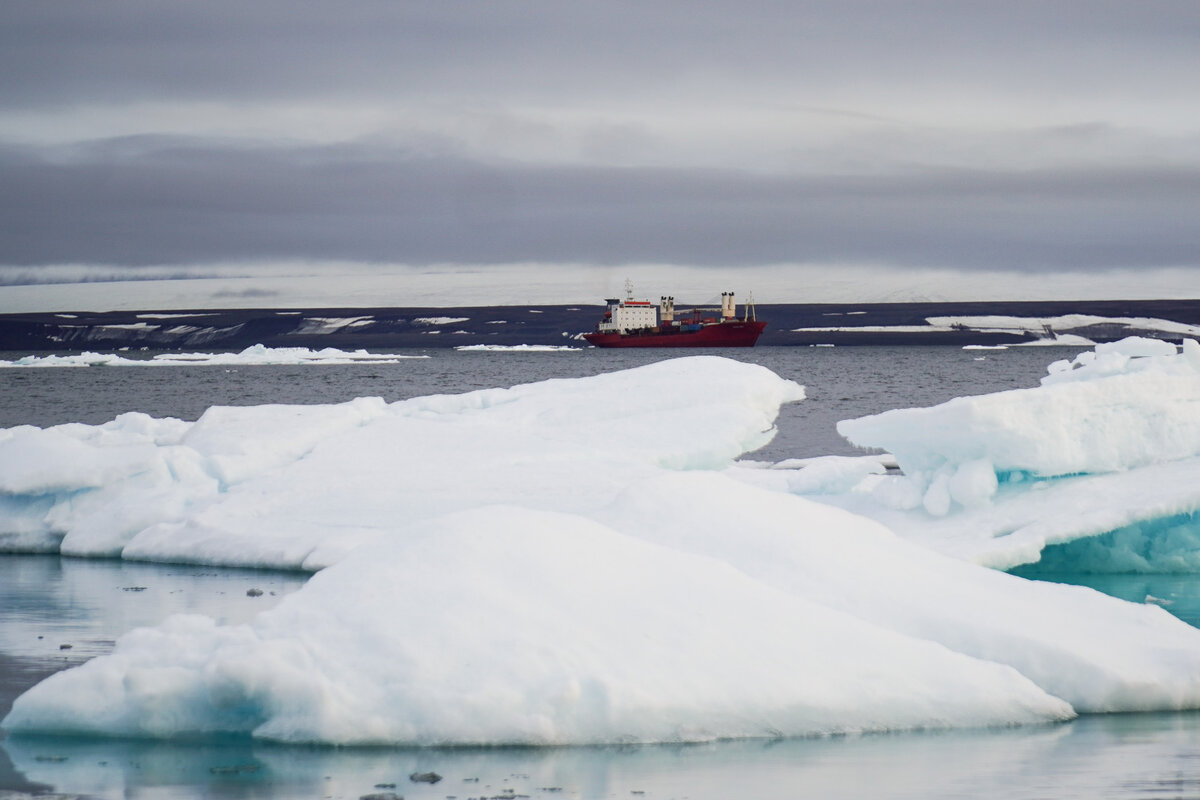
{"x":1124,"y":756}
{"x":47,"y":601}
{"x":88,"y":603}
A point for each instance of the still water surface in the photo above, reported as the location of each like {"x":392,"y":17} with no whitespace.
{"x":841,"y":383}
{"x":58,"y":612}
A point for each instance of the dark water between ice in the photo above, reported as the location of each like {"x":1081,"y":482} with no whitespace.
{"x":47,"y":602}
{"x":840,"y":382}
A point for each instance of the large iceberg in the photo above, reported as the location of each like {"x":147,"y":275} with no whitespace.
{"x":575,"y":561}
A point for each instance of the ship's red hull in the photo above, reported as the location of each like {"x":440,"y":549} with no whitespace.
{"x":722,"y":334}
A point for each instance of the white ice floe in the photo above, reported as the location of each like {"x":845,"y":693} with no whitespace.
{"x":1108,"y":444}
{"x":505,"y":624}
{"x":572,"y":561}
{"x":252,"y":356}
{"x":518,"y":348}
{"x":874,"y":329}
{"x":332,"y":476}
{"x":1116,"y":411}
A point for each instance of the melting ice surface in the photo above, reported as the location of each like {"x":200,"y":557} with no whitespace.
{"x":1102,"y":459}
{"x":574,"y":561}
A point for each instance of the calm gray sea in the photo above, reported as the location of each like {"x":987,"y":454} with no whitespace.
{"x":47,"y":602}
{"x":841,"y":383}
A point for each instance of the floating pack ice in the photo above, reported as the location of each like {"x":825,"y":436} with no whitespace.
{"x":518,"y":348}
{"x":299,"y":486}
{"x":254,"y":355}
{"x":565,"y":562}
{"x":1108,"y":444}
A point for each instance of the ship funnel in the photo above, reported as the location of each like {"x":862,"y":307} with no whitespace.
{"x":728,"y":309}
{"x":666,"y":308}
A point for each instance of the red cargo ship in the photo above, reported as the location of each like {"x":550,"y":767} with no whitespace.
{"x":638,"y":323}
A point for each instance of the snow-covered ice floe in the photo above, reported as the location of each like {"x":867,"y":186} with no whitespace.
{"x":1100,"y":464}
{"x":519,"y":348}
{"x":252,"y":356}
{"x":568,"y":562}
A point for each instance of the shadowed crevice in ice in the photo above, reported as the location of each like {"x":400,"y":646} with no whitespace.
{"x":1165,"y":545}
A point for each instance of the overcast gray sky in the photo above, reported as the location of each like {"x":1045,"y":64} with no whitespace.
{"x":1034,"y":138}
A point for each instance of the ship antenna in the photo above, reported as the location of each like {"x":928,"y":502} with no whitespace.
{"x":628,"y":290}
{"x":750,"y":316}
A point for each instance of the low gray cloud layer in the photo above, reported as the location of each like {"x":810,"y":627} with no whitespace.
{"x":180,"y":201}
{"x":1026,"y":135}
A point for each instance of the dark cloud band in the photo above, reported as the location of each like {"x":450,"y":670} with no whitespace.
{"x":176,"y":201}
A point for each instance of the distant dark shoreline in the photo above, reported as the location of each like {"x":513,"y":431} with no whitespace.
{"x":796,"y":324}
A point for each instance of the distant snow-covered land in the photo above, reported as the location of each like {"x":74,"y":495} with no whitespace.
{"x":585,"y":560}
{"x":438,"y":320}
{"x":1071,"y":329}
{"x":977,"y":323}
{"x":320,"y":325}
